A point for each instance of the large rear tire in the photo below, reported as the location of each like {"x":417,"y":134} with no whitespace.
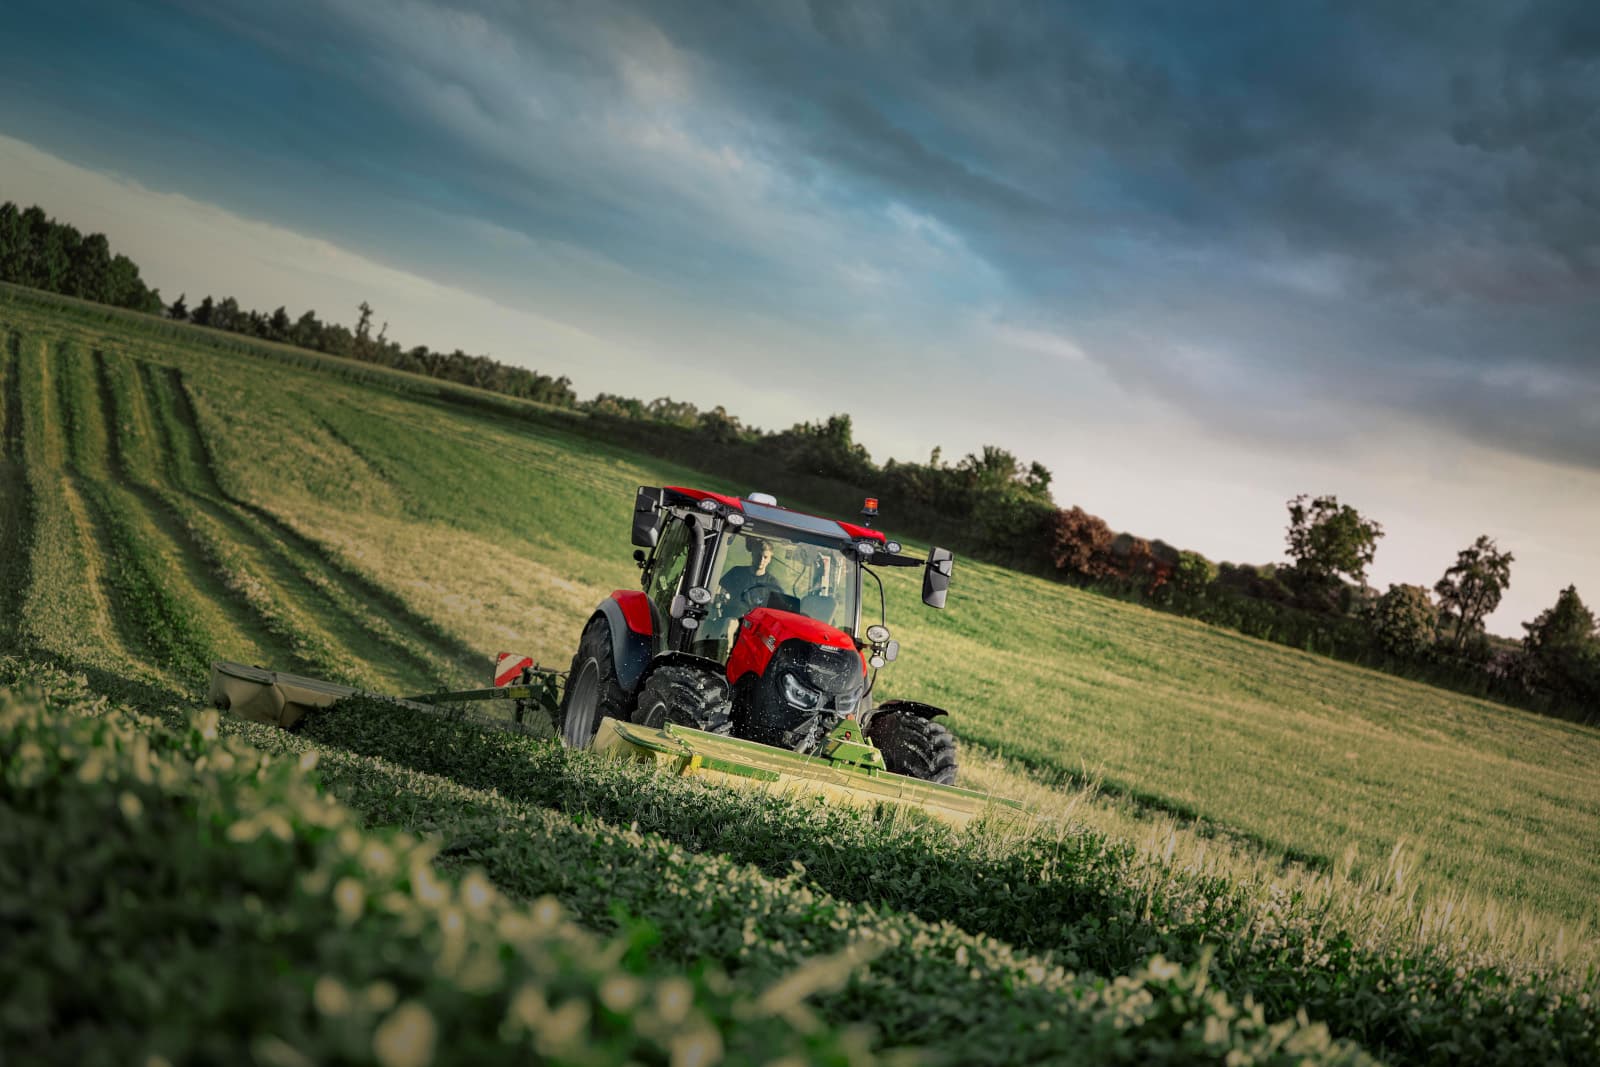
{"x":914,"y":746}
{"x":686,"y":696}
{"x":593,"y":692}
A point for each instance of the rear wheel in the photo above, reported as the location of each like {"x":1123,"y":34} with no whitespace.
{"x":914,"y":746}
{"x":593,"y":692}
{"x":685,"y":696}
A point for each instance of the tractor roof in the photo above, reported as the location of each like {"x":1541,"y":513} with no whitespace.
{"x":817,"y":525}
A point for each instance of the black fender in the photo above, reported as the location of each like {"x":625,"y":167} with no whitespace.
{"x":630,"y":651}
{"x":908,"y":707}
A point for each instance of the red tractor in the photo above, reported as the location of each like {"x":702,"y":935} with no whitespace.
{"x":750,"y":623}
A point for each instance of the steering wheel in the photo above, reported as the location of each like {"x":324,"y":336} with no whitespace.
{"x":757,"y":595}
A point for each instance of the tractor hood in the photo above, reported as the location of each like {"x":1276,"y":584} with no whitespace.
{"x":763,"y":630}
{"x":794,"y":678}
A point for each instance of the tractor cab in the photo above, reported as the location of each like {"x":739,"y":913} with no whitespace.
{"x":716,"y":559}
{"x":775,"y":602}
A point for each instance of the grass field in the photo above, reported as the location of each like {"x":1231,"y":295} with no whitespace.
{"x":168,"y":497}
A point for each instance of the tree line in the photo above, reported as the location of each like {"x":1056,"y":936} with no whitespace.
{"x":988,"y":503}
{"x":39,"y":252}
{"x":334,"y":339}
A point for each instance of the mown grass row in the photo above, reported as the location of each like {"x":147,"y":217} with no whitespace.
{"x":168,"y":572}
{"x":154,"y":611}
{"x":63,"y":608}
{"x":1088,"y":902}
{"x":16,"y":507}
{"x":375,"y":625}
{"x":969,"y":999}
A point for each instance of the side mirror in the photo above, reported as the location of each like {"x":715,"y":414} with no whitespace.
{"x":936,"y":576}
{"x":647,"y":517}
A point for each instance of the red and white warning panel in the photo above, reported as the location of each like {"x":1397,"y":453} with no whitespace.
{"x":508,"y":667}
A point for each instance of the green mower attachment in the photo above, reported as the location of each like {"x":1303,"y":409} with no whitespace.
{"x":846,"y":769}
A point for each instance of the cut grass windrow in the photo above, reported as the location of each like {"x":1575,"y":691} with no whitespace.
{"x":16,"y":504}
{"x":433,"y":654}
{"x":141,"y":469}
{"x":1083,"y":900}
{"x":971,"y":1000}
{"x":65,"y":610}
{"x":154,"y":610}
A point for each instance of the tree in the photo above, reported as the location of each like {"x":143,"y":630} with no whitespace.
{"x":1193,"y":574}
{"x":278,"y":326}
{"x":307,"y":331}
{"x":179,"y":311}
{"x":1328,"y":539}
{"x":1561,"y":652}
{"x":1404,"y":620}
{"x":203,"y":314}
{"x":89,"y":276}
{"x":363,"y":326}
{"x":1470,"y":589}
{"x":1080,"y":543}
{"x":227,"y":315}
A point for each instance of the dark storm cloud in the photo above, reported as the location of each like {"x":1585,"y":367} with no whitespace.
{"x":1386,"y":205}
{"x":1412,"y":191}
{"x":861,"y":137}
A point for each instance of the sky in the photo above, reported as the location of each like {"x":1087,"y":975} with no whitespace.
{"x":1196,"y":259}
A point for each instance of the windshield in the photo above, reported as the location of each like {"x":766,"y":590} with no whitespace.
{"x":787,"y":570}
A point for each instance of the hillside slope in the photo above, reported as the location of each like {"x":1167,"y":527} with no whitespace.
{"x":183,"y":499}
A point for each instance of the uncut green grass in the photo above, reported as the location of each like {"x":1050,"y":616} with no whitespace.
{"x":375,"y":530}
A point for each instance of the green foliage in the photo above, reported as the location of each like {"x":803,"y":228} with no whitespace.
{"x":1471,"y":587}
{"x":1561,"y":652}
{"x":183,"y":898}
{"x":827,"y":449}
{"x":1404,"y":620}
{"x":1328,"y":539}
{"x":42,"y":253}
{"x":1193,"y":574}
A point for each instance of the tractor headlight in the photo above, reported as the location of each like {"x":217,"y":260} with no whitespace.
{"x":799,"y":694}
{"x":845,"y":703}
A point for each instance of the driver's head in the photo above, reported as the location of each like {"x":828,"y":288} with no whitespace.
{"x":760,"y":554}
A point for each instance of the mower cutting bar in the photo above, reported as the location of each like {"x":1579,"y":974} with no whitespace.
{"x":282,"y":699}
{"x":504,"y":692}
{"x":746,"y":764}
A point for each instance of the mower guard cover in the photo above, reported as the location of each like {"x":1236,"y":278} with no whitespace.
{"x":749,"y":765}
{"x":277,"y":697}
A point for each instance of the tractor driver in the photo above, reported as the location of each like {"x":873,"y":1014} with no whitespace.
{"x":749,"y":587}
{"x":740,"y":589}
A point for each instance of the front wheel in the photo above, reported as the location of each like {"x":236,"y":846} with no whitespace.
{"x":914,"y":746}
{"x":686,"y":696}
{"x":593,"y":692}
